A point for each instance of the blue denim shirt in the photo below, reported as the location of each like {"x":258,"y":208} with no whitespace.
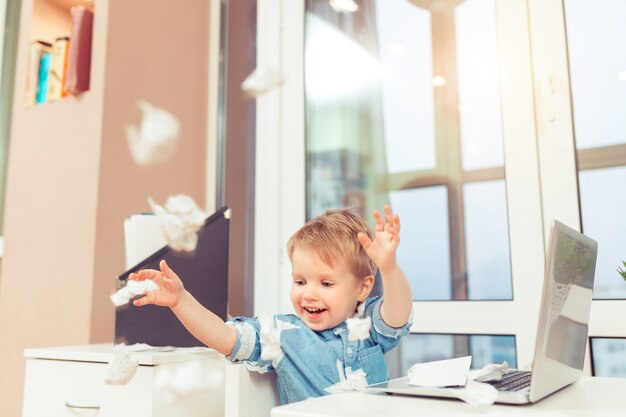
{"x":310,"y":361}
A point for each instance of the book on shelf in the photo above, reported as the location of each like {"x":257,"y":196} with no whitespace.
{"x":56,"y":77}
{"x":44,"y":71}
{"x":37,"y":50}
{"x":79,"y":56}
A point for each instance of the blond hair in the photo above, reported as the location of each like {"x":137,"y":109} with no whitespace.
{"x":333,"y":235}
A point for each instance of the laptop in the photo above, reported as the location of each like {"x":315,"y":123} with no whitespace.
{"x":561,"y":334}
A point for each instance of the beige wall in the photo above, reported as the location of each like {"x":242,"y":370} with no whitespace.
{"x":71,"y":181}
{"x":49,"y":21}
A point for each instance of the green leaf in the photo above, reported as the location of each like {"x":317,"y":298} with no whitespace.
{"x":621,"y":271}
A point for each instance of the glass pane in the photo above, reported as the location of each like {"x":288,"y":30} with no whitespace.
{"x":602,"y":201}
{"x":595,"y":39}
{"x":406,"y":56}
{"x":402,"y":106}
{"x":479,"y":93}
{"x":608,"y":356}
{"x":426,"y":262}
{"x":484,"y":349}
{"x":595,"y":33}
{"x":487,"y":242}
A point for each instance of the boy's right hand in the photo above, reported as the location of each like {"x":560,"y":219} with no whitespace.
{"x":170,"y":290}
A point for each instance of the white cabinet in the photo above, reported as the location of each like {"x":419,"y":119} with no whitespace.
{"x":248,"y":393}
{"x":69,"y":381}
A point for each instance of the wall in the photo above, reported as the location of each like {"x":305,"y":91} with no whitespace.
{"x":71,"y":181}
{"x":49,"y":21}
{"x":166,"y":64}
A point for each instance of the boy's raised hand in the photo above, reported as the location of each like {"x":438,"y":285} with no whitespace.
{"x":170,"y":286}
{"x":382,"y":249}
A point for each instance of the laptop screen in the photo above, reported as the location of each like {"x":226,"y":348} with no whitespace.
{"x":565,"y":310}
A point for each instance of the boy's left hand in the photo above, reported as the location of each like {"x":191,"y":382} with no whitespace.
{"x":382,"y":249}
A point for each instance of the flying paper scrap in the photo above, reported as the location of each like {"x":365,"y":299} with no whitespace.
{"x":359,"y":328}
{"x":271,"y":349}
{"x":445,"y":373}
{"x":122,"y":367}
{"x":185,"y":379}
{"x":262,"y":80}
{"x":180,"y":221}
{"x":344,"y":6}
{"x":156,"y":139}
{"x":270,"y":343}
{"x":132,"y":289}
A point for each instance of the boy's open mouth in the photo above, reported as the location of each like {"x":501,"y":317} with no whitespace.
{"x":314,"y":311}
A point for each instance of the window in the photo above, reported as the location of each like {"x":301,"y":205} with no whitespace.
{"x":462,"y":118}
{"x":598,"y":80}
{"x":609,"y":356}
{"x":402,"y":105}
{"x":484,"y":349}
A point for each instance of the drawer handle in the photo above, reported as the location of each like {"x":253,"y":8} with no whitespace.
{"x":83,"y":406}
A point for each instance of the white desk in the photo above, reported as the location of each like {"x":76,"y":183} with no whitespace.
{"x":604,"y":397}
{"x":69,"y":381}
{"x":58,"y":379}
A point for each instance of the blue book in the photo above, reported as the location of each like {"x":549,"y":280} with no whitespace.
{"x":44,"y":71}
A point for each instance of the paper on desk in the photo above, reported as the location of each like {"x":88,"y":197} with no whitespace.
{"x":449,"y":372}
{"x":491,"y":372}
{"x":477,"y":393}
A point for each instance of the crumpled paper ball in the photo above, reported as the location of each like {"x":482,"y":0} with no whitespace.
{"x":489,"y":372}
{"x":262,"y":80}
{"x":359,"y":328}
{"x":270,"y":336}
{"x":180,"y":221}
{"x":477,"y":393}
{"x":344,"y":6}
{"x":132,"y":289}
{"x":122,"y":367}
{"x":156,"y":139}
{"x":351,"y":381}
{"x":270,"y":343}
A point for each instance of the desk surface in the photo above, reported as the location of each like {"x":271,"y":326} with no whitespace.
{"x":104,"y":352}
{"x":590,"y":396}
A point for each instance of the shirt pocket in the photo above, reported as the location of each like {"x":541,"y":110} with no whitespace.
{"x":372,"y":361}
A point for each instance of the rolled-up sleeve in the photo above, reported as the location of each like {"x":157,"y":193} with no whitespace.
{"x":386,"y":336}
{"x":246,"y":339}
{"x":247,"y":348}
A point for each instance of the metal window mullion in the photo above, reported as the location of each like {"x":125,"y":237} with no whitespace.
{"x":447,"y":131}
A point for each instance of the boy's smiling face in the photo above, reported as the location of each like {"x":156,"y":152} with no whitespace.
{"x":324,"y":296}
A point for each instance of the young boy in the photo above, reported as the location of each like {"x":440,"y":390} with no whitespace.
{"x":334,"y":258}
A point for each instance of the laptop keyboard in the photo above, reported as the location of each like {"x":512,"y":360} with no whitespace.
{"x":512,"y":381}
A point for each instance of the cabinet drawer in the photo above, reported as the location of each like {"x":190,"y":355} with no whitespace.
{"x":61,"y":388}
{"x":57,"y":388}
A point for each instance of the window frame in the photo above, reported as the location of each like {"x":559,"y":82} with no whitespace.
{"x":540,"y":164}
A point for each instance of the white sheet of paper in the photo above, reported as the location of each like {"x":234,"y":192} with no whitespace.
{"x":444,"y":373}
